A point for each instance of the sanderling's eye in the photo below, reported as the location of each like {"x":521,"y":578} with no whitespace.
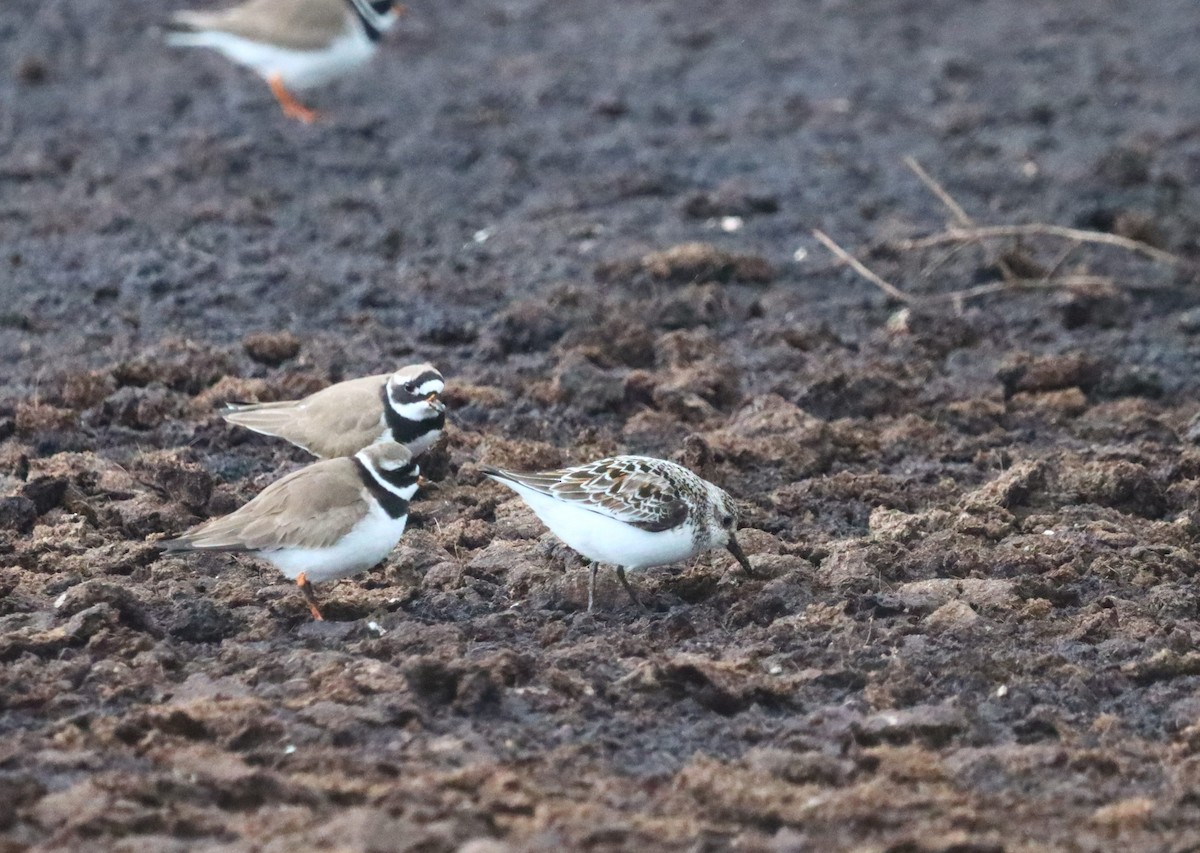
{"x":727,"y":520}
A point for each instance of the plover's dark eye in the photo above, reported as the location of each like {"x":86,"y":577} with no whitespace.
{"x":727,"y":520}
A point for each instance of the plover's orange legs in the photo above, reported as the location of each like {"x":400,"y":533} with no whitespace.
{"x":306,"y":589}
{"x":291,"y":107}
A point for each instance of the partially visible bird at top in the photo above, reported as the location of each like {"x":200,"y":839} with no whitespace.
{"x":292,"y":44}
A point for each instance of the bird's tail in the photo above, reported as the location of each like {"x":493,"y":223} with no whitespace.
{"x":186,"y":29}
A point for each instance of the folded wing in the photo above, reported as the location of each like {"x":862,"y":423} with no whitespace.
{"x":618,"y":491}
{"x":311,"y":508}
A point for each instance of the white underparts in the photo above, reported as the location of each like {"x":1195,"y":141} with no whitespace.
{"x":607,"y":540}
{"x":298,"y":69}
{"x":367,"y":543}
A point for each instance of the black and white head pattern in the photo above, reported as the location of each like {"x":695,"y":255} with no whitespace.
{"x":377,"y":16}
{"x":413,"y":410}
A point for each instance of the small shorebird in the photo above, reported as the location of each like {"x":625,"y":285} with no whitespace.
{"x":631,"y":511}
{"x":292,"y":44}
{"x":329,"y":520}
{"x":401,"y":407}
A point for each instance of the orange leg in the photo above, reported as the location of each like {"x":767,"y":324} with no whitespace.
{"x":306,"y":590}
{"x":291,"y":107}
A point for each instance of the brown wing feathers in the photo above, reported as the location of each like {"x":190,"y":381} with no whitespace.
{"x":296,"y":24}
{"x":311,"y":508}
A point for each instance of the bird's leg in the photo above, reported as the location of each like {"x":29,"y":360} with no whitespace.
{"x":291,"y":107}
{"x":629,"y":589}
{"x":306,"y":589}
{"x":592,"y":586}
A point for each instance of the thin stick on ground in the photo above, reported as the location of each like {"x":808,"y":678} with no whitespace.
{"x":957,"y":209}
{"x":964,"y":219}
{"x":968,"y":232}
{"x":1066,"y":282}
{"x":861,"y":268}
{"x":938,"y":190}
{"x":1003,"y":232}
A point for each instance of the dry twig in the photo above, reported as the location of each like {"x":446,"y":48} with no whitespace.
{"x":1067,"y":282}
{"x":1038,"y":229}
{"x":968,"y":232}
{"x":953,"y":206}
{"x":938,"y":190}
{"x":861,"y":268}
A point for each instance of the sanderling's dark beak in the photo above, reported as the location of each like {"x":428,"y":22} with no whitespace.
{"x":736,"y":550}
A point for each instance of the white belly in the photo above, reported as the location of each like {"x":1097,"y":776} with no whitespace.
{"x":606,"y":540}
{"x":298,"y":69}
{"x":367,"y":544}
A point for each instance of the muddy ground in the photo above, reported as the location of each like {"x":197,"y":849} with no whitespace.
{"x":976,"y":521}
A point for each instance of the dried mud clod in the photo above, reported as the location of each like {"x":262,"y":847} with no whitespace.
{"x":689,"y":263}
{"x":1023,"y":372}
{"x":271,"y":348}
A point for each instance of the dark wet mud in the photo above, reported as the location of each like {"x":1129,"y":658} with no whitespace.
{"x":976,"y":522}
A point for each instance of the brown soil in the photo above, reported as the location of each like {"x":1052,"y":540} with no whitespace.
{"x":978,"y":621}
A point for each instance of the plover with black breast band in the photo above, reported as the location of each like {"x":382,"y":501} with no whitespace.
{"x":404,"y":407}
{"x":292,"y":44}
{"x":329,"y":520}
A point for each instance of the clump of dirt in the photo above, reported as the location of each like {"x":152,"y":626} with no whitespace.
{"x":272,"y":348}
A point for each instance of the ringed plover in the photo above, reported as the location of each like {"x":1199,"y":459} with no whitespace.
{"x":401,"y":407}
{"x":329,"y":520}
{"x":292,"y":44}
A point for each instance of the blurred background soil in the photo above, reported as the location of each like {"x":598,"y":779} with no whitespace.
{"x":975,"y":519}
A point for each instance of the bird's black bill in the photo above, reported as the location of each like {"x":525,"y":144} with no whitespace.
{"x":736,"y":550}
